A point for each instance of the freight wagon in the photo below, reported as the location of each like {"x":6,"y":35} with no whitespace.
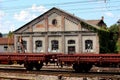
{"x":79,"y":61}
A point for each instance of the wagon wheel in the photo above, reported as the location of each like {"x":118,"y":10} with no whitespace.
{"x":28,"y":66}
{"x":38,"y":66}
{"x":77,"y":67}
{"x":82,"y":67}
{"x":87,"y":67}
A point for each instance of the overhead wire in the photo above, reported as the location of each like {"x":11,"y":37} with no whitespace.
{"x":110,"y":8}
{"x":81,"y":10}
{"x":56,"y":4}
{"x":98,"y":9}
{"x":64,"y":3}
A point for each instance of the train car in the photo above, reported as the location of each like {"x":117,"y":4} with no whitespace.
{"x":84,"y":62}
{"x":28,"y":59}
{"x":79,"y":62}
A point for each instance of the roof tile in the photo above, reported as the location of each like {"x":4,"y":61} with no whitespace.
{"x":6,"y":41}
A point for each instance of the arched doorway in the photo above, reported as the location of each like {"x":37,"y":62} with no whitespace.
{"x":71,"y":46}
{"x":54,"y":45}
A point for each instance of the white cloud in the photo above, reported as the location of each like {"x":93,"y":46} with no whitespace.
{"x":1,"y":14}
{"x":109,"y":14}
{"x":6,"y":27}
{"x":28,"y":14}
{"x":40,"y":9}
{"x":24,"y":16}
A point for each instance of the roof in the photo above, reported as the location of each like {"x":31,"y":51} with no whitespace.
{"x":54,"y":8}
{"x":95,"y":22}
{"x":6,"y":41}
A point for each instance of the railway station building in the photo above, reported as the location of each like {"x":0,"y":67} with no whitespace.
{"x":6,"y":44}
{"x":57,"y":31}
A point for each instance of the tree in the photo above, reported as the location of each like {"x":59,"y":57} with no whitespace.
{"x":114,"y":28}
{"x":114,"y":31}
{"x":118,"y":41}
{"x":0,"y":34}
{"x":10,"y":34}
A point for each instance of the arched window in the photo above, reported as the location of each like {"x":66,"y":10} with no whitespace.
{"x":54,"y":44}
{"x":24,"y":43}
{"x":71,"y":46}
{"x":88,"y":44}
{"x":54,"y":22}
{"x":71,"y":41}
{"x":38,"y":43}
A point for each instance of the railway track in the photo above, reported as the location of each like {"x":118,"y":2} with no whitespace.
{"x":31,"y":75}
{"x":20,"y":71}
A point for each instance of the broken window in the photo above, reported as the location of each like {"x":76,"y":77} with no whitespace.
{"x":38,"y":45}
{"x":88,"y":45}
{"x":54,"y":44}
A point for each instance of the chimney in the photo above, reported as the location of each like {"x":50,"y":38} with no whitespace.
{"x":102,"y":18}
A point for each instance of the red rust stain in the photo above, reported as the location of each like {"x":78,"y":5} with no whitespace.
{"x":51,"y":26}
{"x":39,"y":26}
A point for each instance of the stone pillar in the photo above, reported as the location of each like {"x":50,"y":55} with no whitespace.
{"x":15,"y":43}
{"x":63,"y":43}
{"x":63,"y":23}
{"x":31,"y":43}
{"x":80,"y":42}
{"x":63,"y":37}
{"x":46,"y":43}
{"x":46,"y":23}
{"x":46,"y":36}
{"x":31,"y":39}
{"x":79,"y":27}
{"x":79,"y":39}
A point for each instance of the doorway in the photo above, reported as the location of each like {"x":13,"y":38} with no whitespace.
{"x":71,"y":49}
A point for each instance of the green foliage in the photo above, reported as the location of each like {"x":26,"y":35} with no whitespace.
{"x":10,"y":34}
{"x":106,"y":42}
{"x":118,"y":46}
{"x":107,"y":37}
{"x":114,"y":29}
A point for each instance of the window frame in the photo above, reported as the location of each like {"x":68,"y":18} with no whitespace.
{"x":38,"y":43}
{"x":71,"y":41}
{"x":90,"y":42}
{"x":54,"y":45}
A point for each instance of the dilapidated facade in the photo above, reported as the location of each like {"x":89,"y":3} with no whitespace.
{"x":57,"y":31}
{"x":6,"y":45}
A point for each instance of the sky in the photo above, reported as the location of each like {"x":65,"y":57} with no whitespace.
{"x":16,"y":13}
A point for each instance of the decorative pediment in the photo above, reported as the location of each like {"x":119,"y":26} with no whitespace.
{"x":56,"y":20}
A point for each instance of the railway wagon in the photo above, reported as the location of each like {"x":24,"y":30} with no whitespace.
{"x":29,"y":60}
{"x":79,"y":62}
{"x":84,"y":62}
